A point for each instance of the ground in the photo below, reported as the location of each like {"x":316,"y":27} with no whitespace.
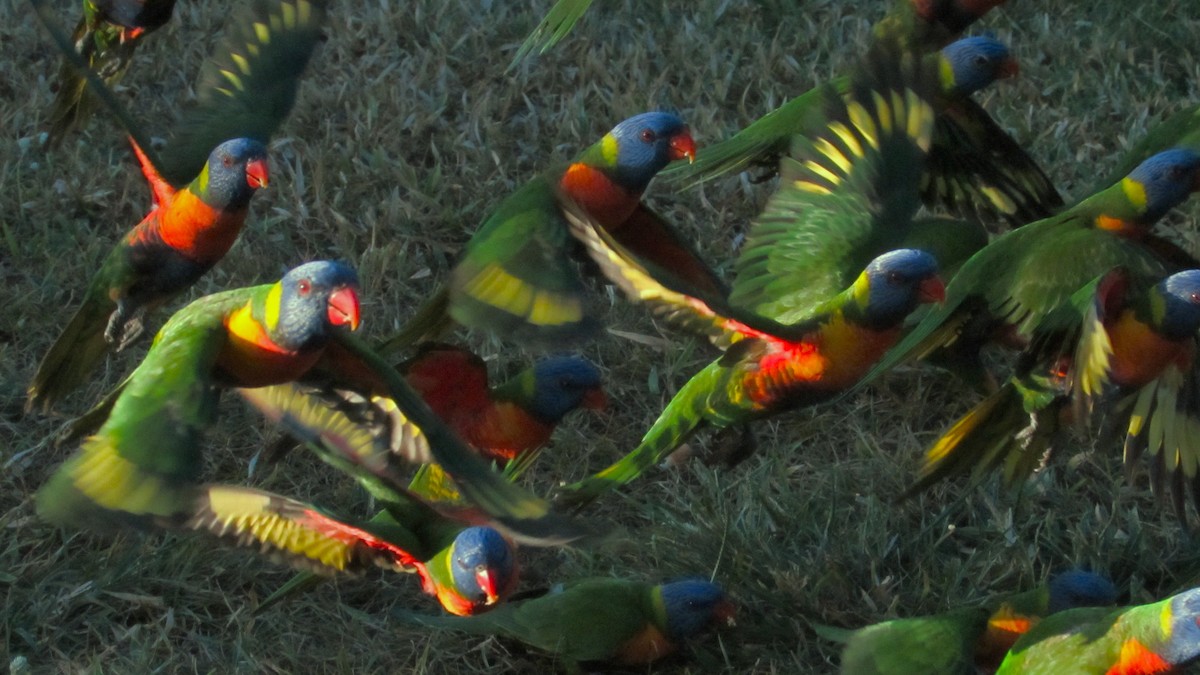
{"x":407,"y":131}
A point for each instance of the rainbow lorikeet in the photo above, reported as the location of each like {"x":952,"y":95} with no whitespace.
{"x":142,"y":461}
{"x":105,"y":39}
{"x":201,"y":186}
{"x":467,"y":568}
{"x":509,"y":423}
{"x":1006,"y":289}
{"x":516,"y":275}
{"x":1158,"y":638}
{"x":974,"y":167}
{"x":966,"y":641}
{"x":848,"y":192}
{"x":1124,"y":345}
{"x":615,"y":621}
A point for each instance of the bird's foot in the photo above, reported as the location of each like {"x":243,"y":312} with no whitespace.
{"x":124,"y":328}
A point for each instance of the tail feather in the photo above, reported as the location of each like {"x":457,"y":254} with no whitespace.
{"x":75,"y":354}
{"x":430,"y":322}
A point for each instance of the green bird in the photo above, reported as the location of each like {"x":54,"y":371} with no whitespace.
{"x":974,"y":167}
{"x":1158,"y":638}
{"x":614,"y":621}
{"x":105,"y":39}
{"x":1119,"y":344}
{"x":516,"y":276}
{"x":201,"y":188}
{"x":467,"y":568}
{"x":140,"y":464}
{"x":1008,"y":288}
{"x":962,"y":641}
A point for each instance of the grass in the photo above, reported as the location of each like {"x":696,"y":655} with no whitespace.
{"x":406,"y":133}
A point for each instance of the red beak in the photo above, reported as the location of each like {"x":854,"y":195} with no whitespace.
{"x":257,"y":174}
{"x":342,"y":307}
{"x":128,"y":34}
{"x":931,"y":290}
{"x":1009,"y":68}
{"x":682,"y":146}
{"x":595,"y":399}
{"x":725,"y":613}
{"x":488,"y":585}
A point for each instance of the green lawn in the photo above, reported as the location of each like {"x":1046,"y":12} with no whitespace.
{"x":407,"y":132}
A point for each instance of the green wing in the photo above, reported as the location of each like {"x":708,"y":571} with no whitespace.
{"x":938,"y":644}
{"x":559,"y":21}
{"x":976,"y":170}
{"x":845,"y":196}
{"x":516,"y":276}
{"x":139,"y":465}
{"x":247,"y":88}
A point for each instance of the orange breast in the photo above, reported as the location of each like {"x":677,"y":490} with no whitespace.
{"x":647,"y":646}
{"x":250,"y":359}
{"x":502,"y":431}
{"x":604,"y":200}
{"x":1140,"y":354}
{"x":197,"y":230}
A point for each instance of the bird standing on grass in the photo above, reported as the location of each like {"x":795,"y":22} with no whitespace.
{"x":614,"y":621}
{"x":516,"y":276}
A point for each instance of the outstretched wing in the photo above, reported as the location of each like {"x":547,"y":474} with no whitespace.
{"x":846,"y":195}
{"x":559,"y":21}
{"x":247,"y":88}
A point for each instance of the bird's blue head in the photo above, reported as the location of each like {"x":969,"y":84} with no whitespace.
{"x":234,"y":171}
{"x":1182,"y":614}
{"x":1078,"y":588}
{"x":970,"y":64}
{"x":642,"y":145}
{"x":312,"y":297}
{"x":692,"y":605}
{"x":895,"y":283}
{"x":1180,"y":294}
{"x":1163,"y":182}
{"x":483,"y":565}
{"x":562,"y":384}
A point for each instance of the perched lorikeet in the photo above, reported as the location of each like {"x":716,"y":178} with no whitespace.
{"x":516,"y":275}
{"x":968,"y":641}
{"x":467,"y":568}
{"x":974,"y":167}
{"x":1009,"y":287}
{"x":601,"y":620}
{"x":1124,"y":344}
{"x":142,"y":461}
{"x":1158,"y":638}
{"x":104,"y":39}
{"x":201,"y":188}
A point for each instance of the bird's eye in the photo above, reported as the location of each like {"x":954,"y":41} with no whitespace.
{"x":227,"y":160}
{"x":1195,"y":297}
{"x":895,"y":278}
{"x":981,"y":60}
{"x":304,"y":286}
{"x":649,"y":136}
{"x":1177,"y":172}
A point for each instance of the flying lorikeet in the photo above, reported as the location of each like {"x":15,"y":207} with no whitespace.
{"x":1009,"y":287}
{"x":141,"y":463}
{"x":516,"y":276}
{"x":1127,"y":345}
{"x":601,"y":620}
{"x":201,"y":194}
{"x":467,"y":568}
{"x":967,"y":641}
{"x":974,"y":167}
{"x":1159,"y":638}
{"x":509,"y":423}
{"x":104,"y":39}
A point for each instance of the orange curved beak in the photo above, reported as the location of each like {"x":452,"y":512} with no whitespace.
{"x":931,"y":290}
{"x":682,"y":146}
{"x":595,"y":399}
{"x":488,"y":585}
{"x":343,"y":308}
{"x":1009,"y":68}
{"x":257,"y":174}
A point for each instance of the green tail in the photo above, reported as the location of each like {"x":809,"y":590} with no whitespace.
{"x":74,"y":355}
{"x":559,"y":21}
